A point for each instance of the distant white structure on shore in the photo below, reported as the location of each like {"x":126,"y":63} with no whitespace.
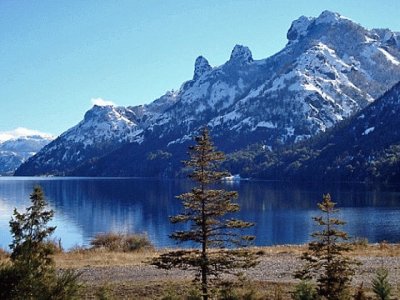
{"x":235,"y":177}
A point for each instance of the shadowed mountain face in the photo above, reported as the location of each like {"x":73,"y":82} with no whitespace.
{"x":365,"y":147}
{"x":330,"y":69}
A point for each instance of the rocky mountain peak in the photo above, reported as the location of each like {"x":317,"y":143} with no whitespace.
{"x":107,"y":113}
{"x":241,"y":54}
{"x":329,"y":17}
{"x":303,"y":25}
{"x":299,"y":28}
{"x":201,"y":66}
{"x":97,"y":111}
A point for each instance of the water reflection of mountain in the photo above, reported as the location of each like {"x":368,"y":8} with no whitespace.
{"x":117,"y":205}
{"x":282,"y":211}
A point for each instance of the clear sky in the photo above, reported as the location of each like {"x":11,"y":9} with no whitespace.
{"x":56,"y":56}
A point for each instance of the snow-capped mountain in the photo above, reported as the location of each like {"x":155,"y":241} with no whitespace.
{"x":365,"y":147}
{"x":13,"y":152}
{"x":330,"y":68}
{"x":103,"y":129}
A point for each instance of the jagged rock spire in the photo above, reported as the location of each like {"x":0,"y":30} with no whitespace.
{"x":201,"y":66}
{"x":241,"y":54}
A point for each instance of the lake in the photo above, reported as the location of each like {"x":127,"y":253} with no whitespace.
{"x":282,"y":211}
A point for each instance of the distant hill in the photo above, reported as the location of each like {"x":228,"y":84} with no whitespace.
{"x":14,"y":152}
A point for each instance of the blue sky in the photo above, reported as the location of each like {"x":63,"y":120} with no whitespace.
{"x":57,"y":56}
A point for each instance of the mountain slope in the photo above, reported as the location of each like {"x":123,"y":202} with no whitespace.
{"x":364,"y":148}
{"x":14,"y":152}
{"x":330,"y":69}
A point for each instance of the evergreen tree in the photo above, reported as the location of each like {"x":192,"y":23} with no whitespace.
{"x":206,"y":210}
{"x":304,"y":290}
{"x":31,"y":274}
{"x":381,"y":285}
{"x":325,"y":260}
{"x":29,"y":231}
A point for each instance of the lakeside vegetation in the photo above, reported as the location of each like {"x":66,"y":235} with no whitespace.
{"x":37,"y":268}
{"x":109,"y":263}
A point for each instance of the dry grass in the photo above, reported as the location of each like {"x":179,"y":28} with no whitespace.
{"x":180,"y":289}
{"x":259,"y":290}
{"x":377,"y":250}
{"x":4,"y":255}
{"x":372,"y":250}
{"x":156,"y":289}
{"x":80,"y":257}
{"x":101,"y":258}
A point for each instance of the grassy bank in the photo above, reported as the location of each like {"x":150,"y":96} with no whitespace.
{"x":126,"y":275}
{"x":81,"y":257}
{"x":141,"y":284}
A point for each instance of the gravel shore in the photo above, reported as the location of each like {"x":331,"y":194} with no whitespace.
{"x":277,"y":267}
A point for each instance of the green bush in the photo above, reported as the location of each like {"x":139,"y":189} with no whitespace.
{"x":193,"y":294}
{"x":121,"y":242}
{"x":381,"y":286}
{"x":103,"y":293}
{"x":8,"y":281}
{"x":242,"y":290}
{"x":304,"y":290}
{"x":136,"y":242}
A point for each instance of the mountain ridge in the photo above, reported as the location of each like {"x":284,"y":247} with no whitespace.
{"x":15,"y":151}
{"x":330,"y":69}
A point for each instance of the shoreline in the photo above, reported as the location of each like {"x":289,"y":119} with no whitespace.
{"x":127,"y":273}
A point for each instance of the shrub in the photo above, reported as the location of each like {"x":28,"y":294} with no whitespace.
{"x":103,"y":293}
{"x":193,"y":294}
{"x":64,"y":285}
{"x":304,"y":290}
{"x":381,"y":286}
{"x":227,"y":291}
{"x":121,"y":242}
{"x":137,"y":242}
{"x":54,"y":246}
{"x":360,"y":243}
{"x":360,"y":294}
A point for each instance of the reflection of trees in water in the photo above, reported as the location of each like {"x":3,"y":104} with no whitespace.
{"x":282,"y":211}
{"x":117,"y":205}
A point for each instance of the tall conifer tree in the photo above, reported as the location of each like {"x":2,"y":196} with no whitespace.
{"x":220,"y":248}
{"x":325,"y":259}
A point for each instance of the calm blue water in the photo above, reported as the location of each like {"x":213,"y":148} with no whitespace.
{"x":282,"y":211}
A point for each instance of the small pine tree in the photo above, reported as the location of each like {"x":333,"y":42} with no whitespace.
{"x":304,"y":290}
{"x":31,"y":273}
{"x":205,"y":209}
{"x":381,"y":286}
{"x":29,"y":231}
{"x":325,"y":260}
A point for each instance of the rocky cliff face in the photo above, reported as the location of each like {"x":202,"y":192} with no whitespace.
{"x":330,"y":68}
